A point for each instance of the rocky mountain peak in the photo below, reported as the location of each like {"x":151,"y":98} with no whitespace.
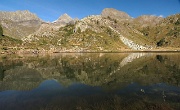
{"x":115,"y":14}
{"x":65,"y":18}
{"x":18,"y":16}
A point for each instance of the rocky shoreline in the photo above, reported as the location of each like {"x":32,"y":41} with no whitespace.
{"x":36,"y":51}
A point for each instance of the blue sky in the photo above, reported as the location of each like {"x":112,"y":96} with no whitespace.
{"x":50,"y":10}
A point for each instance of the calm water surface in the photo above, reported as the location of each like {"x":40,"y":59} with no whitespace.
{"x":96,"y":81}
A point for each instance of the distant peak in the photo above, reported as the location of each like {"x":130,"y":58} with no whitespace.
{"x":63,"y":18}
{"x":65,"y":14}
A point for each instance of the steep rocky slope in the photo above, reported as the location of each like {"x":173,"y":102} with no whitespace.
{"x":63,"y":19}
{"x":112,"y":30}
{"x":92,"y":33}
{"x":49,"y":29}
{"x":19,"y":24}
{"x":18,"y":16}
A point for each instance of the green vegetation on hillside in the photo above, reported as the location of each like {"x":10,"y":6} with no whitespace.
{"x":96,"y":33}
{"x":166,"y":33}
{"x":66,"y":38}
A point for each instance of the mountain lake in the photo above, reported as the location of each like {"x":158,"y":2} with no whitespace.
{"x":90,"y":81}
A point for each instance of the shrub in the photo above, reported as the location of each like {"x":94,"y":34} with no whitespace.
{"x":177,"y":22}
{"x":162,"y":42}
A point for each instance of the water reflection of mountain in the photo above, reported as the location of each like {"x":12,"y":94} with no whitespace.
{"x":106,"y":70}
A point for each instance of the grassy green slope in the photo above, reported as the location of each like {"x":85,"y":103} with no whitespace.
{"x":164,"y":34}
{"x":65,"y":38}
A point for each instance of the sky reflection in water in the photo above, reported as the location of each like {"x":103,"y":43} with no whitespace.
{"x":91,"y":81}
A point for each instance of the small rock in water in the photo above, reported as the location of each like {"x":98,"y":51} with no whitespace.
{"x":142,"y":90}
